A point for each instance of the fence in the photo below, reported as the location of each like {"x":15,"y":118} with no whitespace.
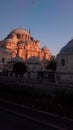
{"x":48,"y":76}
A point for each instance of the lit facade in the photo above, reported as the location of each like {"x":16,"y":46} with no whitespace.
{"x":20,"y":42}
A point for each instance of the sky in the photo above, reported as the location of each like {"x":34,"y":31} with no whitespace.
{"x":50,"y":21}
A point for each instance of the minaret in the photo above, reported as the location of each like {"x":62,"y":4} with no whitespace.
{"x":29,"y":30}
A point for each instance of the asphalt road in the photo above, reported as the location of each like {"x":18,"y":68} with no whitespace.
{"x":19,"y":117}
{"x":10,"y":121}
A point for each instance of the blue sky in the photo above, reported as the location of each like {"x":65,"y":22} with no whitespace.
{"x":50,"y":21}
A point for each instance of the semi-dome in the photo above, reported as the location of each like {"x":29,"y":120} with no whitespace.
{"x":20,"y":31}
{"x":68,"y":48}
{"x":9,"y":40}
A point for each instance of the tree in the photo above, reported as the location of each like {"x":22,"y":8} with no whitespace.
{"x":51,"y":64}
{"x":19,"y":68}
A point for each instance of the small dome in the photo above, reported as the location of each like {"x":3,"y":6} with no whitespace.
{"x":45,"y":48}
{"x":68,"y":48}
{"x":34,"y":59}
{"x":4,"y":50}
{"x":37,"y":41}
{"x":17,"y":59}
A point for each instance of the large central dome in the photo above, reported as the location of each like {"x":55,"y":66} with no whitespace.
{"x":18,"y":35}
{"x":68,"y":48}
{"x":20,"y":31}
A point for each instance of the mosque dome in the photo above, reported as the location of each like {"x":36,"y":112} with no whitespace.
{"x":17,"y":59}
{"x":34,"y":59}
{"x":45,"y":48}
{"x":68,"y":48}
{"x":20,"y":31}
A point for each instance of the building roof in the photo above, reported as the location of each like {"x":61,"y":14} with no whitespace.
{"x":68,"y":48}
{"x":34,"y":59}
{"x":17,"y":59}
{"x":4,"y":50}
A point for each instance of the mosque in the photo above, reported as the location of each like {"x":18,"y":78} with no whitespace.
{"x":19,"y":44}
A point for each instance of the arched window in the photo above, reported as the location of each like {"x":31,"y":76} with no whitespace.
{"x":62,"y":62}
{"x":3,"y":60}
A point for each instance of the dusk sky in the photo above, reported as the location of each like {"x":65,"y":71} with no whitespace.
{"x":50,"y":21}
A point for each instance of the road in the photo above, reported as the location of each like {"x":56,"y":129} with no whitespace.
{"x":10,"y":121}
{"x":17,"y":117}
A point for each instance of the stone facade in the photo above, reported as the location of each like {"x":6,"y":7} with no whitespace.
{"x":65,"y":63}
{"x":5,"y":55}
{"x":20,"y":42}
